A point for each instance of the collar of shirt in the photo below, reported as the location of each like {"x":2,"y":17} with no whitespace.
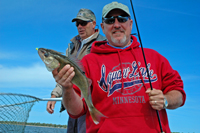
{"x":120,"y":47}
{"x":85,"y":41}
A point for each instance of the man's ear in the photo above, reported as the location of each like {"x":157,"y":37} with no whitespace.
{"x":94,"y":24}
{"x":131,"y":23}
{"x":102,"y":27}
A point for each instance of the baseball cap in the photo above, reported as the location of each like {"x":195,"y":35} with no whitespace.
{"x":85,"y":15}
{"x":114,"y":5}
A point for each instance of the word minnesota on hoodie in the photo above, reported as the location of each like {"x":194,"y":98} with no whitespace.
{"x":128,"y":99}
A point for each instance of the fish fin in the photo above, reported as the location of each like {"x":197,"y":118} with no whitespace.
{"x":89,"y":81}
{"x":49,"y":69}
{"x":96,"y":115}
{"x":89,"y":90}
{"x":57,"y":51}
{"x":82,"y":96}
{"x":77,"y":61}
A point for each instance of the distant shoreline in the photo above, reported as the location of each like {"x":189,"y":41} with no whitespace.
{"x":34,"y":124}
{"x":46,"y":126}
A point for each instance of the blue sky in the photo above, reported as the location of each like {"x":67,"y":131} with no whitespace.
{"x":171,"y":27}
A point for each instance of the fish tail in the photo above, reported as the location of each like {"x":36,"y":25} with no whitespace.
{"x":96,"y":115}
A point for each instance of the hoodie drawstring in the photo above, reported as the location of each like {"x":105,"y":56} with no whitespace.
{"x":138,"y":68}
{"x":121,"y":71}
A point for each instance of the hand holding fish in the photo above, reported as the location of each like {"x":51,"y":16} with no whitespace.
{"x":70,"y":98}
{"x":64,"y":76}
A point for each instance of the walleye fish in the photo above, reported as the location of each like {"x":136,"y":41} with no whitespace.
{"x":52,"y":59}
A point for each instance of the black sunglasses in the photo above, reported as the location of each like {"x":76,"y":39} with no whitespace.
{"x":82,"y":23}
{"x":111,"y":20}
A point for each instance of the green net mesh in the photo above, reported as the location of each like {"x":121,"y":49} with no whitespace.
{"x":14,"y":111}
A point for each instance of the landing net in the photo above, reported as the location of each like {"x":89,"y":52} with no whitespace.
{"x":14,"y":111}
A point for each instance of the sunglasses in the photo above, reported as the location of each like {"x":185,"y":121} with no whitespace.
{"x":111,"y":20}
{"x":82,"y":23}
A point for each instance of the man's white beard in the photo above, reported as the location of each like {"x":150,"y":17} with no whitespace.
{"x":122,"y":41}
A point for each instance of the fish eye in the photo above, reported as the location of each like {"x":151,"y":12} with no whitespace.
{"x":46,"y":54}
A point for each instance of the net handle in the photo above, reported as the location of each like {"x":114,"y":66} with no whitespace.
{"x":51,"y":99}
{"x":36,"y":98}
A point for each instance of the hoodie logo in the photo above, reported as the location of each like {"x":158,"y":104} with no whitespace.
{"x":112,"y":82}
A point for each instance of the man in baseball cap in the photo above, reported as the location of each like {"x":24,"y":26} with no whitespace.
{"x":80,"y":46}
{"x":121,"y":15}
{"x":120,"y":90}
{"x":85,"y":23}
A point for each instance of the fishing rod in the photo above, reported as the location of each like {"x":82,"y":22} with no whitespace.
{"x":145,"y":62}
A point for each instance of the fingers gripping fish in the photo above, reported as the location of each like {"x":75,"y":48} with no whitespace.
{"x":54,"y":59}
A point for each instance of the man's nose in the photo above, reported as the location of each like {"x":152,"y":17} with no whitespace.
{"x":117,"y":23}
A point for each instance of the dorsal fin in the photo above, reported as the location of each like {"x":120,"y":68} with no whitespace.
{"x":76,"y":61}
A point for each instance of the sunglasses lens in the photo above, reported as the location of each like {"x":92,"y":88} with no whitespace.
{"x":122,"y":19}
{"x":111,"y":20}
{"x":82,"y":23}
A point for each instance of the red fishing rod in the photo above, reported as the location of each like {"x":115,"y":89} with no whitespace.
{"x":145,"y":63}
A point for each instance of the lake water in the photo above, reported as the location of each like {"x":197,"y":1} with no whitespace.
{"x":33,"y":129}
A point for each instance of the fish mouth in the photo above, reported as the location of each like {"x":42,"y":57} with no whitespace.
{"x":41,"y":53}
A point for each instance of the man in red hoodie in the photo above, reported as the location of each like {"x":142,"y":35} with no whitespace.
{"x":120,"y":87}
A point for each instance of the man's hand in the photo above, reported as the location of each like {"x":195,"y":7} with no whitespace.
{"x":51,"y":105}
{"x":71,"y":100}
{"x":64,"y":77}
{"x":156,"y":98}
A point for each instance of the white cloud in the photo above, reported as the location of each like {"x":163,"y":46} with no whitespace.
{"x":34,"y":76}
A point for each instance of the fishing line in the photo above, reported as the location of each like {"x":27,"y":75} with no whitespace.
{"x":145,"y":63}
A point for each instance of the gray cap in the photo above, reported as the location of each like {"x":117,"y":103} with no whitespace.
{"x":114,"y":5}
{"x":85,"y":15}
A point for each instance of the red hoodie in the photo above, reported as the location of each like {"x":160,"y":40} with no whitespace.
{"x":122,"y":98}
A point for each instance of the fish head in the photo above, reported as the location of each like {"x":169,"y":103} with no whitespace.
{"x":48,"y":58}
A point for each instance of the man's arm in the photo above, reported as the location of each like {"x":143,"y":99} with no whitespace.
{"x":57,"y":92}
{"x":174,"y":99}
{"x":156,"y":99}
{"x":51,"y":105}
{"x":71,"y":100}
